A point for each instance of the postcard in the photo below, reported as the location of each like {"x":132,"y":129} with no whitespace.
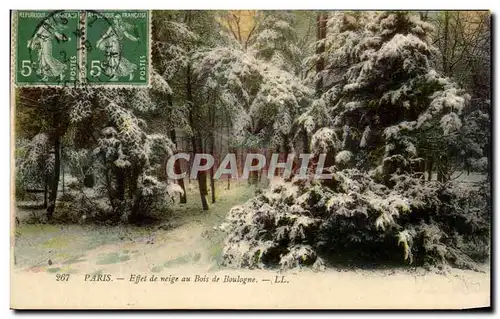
{"x":250,"y":159}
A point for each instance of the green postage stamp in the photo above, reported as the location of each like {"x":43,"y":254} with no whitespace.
{"x":117,"y":50}
{"x":47,"y":47}
{"x":101,"y":48}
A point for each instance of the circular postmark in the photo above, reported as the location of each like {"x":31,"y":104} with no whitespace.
{"x":58,"y":62}
{"x":108,"y":42}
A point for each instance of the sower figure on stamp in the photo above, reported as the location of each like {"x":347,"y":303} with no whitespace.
{"x":42,"y":44}
{"x":116,"y":65}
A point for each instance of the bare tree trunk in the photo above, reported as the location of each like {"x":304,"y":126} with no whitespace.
{"x":109,"y":190}
{"x":55,"y":180}
{"x":305,"y":141}
{"x":321,"y":20}
{"x":177,"y":167}
{"x":212,"y":184}
{"x":445,"y":44}
{"x":201,"y":176}
{"x":430,"y":164}
{"x":211,"y":115}
{"x":229,"y":149}
{"x":253,"y":177}
{"x":45,"y":191}
{"x":120,"y":183}
{"x":132,"y":183}
{"x":202,"y":185}
{"x":241,"y":162}
{"x":286,"y":146}
{"x":62,"y":170}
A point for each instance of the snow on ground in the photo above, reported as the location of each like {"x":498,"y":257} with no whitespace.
{"x":43,"y":251}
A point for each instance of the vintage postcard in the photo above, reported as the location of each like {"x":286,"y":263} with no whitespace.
{"x":250,"y":159}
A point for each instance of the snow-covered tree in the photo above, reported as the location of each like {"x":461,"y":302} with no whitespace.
{"x":358,"y":221}
{"x":385,"y":110}
{"x":34,"y":164}
{"x":265,"y":98}
{"x":128,"y":158}
{"x":276,"y":39}
{"x":382,"y":94}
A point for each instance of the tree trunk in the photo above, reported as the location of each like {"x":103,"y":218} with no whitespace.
{"x":253,"y":176}
{"x":134,"y":176}
{"x":212,"y":184}
{"x":177,"y":164}
{"x":286,"y":146}
{"x":62,"y":165}
{"x":229,"y":149}
{"x":201,"y":176}
{"x":441,"y":170}
{"x":321,"y":20}
{"x":45,"y":190}
{"x":211,"y":115}
{"x":445,"y":44}
{"x":430,"y":164}
{"x":120,"y":183}
{"x":202,"y":185}
{"x":57,"y":170}
{"x":439,"y":175}
{"x":305,"y":141}
{"x":109,"y":189}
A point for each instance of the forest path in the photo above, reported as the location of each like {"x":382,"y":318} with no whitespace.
{"x":188,"y":238}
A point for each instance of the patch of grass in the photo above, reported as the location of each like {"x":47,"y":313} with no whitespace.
{"x":63,"y":255}
{"x":57,"y":242}
{"x":54,"y":270}
{"x":216,"y":252}
{"x":239,"y":193}
{"x":112,"y":258}
{"x":157,"y":268}
{"x":31,"y":229}
{"x":182,"y":260}
{"x":73,"y":260}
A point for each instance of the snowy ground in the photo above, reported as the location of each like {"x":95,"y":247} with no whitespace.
{"x":35,"y":244}
{"x":191,"y":245}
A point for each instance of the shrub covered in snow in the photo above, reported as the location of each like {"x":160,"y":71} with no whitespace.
{"x":128,"y":160}
{"x":303,"y":223}
{"x":34,"y":163}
